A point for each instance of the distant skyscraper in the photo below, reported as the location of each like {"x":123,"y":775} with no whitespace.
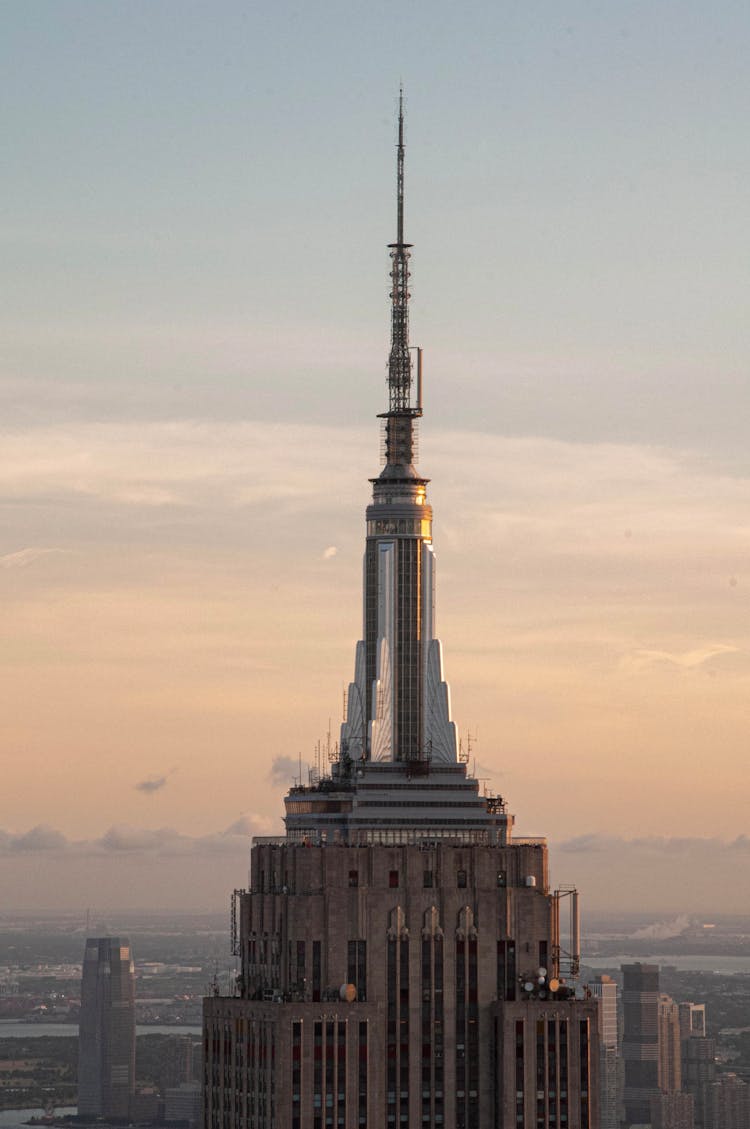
{"x":604,"y":989}
{"x":727,"y":1103}
{"x":670,"y":1069}
{"x":401,"y":956}
{"x":692,"y":1020}
{"x":672,"y":1111}
{"x":640,"y":1045}
{"x":698,"y":1057}
{"x":106,"y":1049}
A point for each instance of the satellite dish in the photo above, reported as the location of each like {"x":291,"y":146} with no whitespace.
{"x":347,"y":993}
{"x":541,"y":980}
{"x":554,"y":984}
{"x":528,"y":986}
{"x":541,"y":971}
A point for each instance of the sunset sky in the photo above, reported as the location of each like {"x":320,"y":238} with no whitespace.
{"x":194,"y":327}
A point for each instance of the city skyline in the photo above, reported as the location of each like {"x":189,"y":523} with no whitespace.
{"x":180,"y":376}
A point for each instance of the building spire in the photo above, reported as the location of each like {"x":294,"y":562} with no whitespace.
{"x":399,"y":360}
{"x":400,"y":170}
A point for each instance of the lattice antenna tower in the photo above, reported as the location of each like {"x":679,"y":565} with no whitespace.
{"x":400,"y":429}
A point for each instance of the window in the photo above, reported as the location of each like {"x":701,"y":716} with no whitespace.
{"x":354,"y":878}
{"x":501,"y":878}
{"x":427,"y":879}
{"x":393,"y":878}
{"x":461,"y":879}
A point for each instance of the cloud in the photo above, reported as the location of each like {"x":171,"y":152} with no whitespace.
{"x":153,"y":783}
{"x":687,"y":875}
{"x":651,"y":844}
{"x":643,"y":659}
{"x":329,"y":553}
{"x":587,"y":843}
{"x":285,"y":769}
{"x":24,"y":557}
{"x":39,"y":838}
{"x":124,"y":839}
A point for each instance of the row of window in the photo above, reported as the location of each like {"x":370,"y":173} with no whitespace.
{"x":428,"y":879}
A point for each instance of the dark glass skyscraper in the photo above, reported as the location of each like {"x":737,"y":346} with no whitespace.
{"x":402,"y":963}
{"x":106,"y":1049}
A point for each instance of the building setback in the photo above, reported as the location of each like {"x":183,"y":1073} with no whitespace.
{"x":106,"y":1046}
{"x":401,"y":955}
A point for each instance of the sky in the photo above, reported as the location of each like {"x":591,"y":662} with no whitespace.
{"x":193,"y":332}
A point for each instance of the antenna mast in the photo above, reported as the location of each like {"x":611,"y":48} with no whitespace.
{"x":399,"y":359}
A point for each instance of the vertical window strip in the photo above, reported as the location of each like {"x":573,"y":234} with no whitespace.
{"x":316,"y":972}
{"x":552,"y":1082}
{"x":438,"y":1045}
{"x":472,"y":1037}
{"x":296,"y":1074}
{"x":460,"y":1034}
{"x":404,"y":1032}
{"x":584,"y":1056}
{"x":391,"y":1030}
{"x":563,"y":1042}
{"x":541,"y":1080}
{"x":341,"y":1073}
{"x":427,"y":1030}
{"x":318,"y":1075}
{"x":520,"y":1073}
{"x":362,"y":1075}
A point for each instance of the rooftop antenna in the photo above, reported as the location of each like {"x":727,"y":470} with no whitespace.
{"x":399,"y":358}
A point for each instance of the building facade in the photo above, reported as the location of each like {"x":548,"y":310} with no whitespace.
{"x":670,"y":1066}
{"x":401,"y":955}
{"x":640,"y":1042}
{"x":604,"y":989}
{"x":698,"y":1057}
{"x":672,"y":1111}
{"x":106,"y":1046}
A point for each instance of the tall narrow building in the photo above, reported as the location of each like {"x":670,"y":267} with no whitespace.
{"x":401,"y":955}
{"x":604,"y":989}
{"x":640,"y":1043}
{"x":106,"y":1045}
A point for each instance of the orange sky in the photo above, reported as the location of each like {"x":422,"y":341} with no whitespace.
{"x":183,"y":601}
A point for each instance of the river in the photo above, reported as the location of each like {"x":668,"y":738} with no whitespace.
{"x":727,"y":965}
{"x":16,"y":1118}
{"x":18,"y":1029}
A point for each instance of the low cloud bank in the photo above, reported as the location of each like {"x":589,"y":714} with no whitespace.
{"x":679,"y":875}
{"x":122,"y":839}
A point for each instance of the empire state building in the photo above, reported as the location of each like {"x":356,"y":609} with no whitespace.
{"x":402,"y":964}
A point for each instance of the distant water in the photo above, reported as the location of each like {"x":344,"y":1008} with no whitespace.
{"x":16,"y":1118}
{"x":17,"y":1029}
{"x":687,"y":963}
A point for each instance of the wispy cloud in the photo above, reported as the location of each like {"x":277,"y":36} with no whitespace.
{"x":154,"y":783}
{"x":644,"y":659}
{"x":330,"y":553}
{"x":125,"y":839}
{"x":285,"y":769}
{"x":22,"y":558}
